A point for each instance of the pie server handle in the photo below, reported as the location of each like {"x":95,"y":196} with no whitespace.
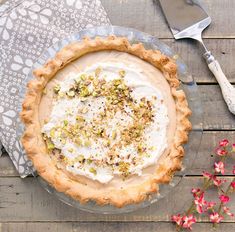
{"x":227,"y":89}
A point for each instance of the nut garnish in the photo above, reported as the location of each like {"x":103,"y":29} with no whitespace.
{"x":85,"y":132}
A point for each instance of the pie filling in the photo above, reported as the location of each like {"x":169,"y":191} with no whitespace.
{"x":106,"y":121}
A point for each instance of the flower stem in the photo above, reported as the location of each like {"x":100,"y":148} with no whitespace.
{"x":226,"y":193}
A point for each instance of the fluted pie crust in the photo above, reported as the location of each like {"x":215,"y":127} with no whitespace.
{"x":35,"y":147}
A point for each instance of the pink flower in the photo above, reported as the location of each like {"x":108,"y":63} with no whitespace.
{"x":227,"y":211}
{"x":200,"y":202}
{"x":223,"y":143}
{"x":219,"y":167}
{"x":188,"y":221}
{"x":221,"y":152}
{"x":210,"y":205}
{"x":216,"y":218}
{"x":207,"y":175}
{"x":218,"y":182}
{"x":233,"y":147}
{"x":195,"y":191}
{"x":224,"y":199}
{"x":233,"y":184}
{"x":177,"y":219}
{"x":233,"y":170}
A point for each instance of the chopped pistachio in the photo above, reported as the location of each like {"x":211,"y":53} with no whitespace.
{"x":83,"y":77}
{"x":89,"y":161}
{"x":84,"y":92}
{"x":84,"y":110}
{"x":114,"y":134}
{"x":71,"y":93}
{"x":78,"y":141}
{"x":50,"y":145}
{"x":52,"y":133}
{"x":70,"y":150}
{"x":80,"y":158}
{"x":61,"y":94}
{"x":44,"y":91}
{"x":95,"y":82}
{"x":87,"y":143}
{"x":92,"y":170}
{"x":94,"y":94}
{"x":141,"y":104}
{"x":56,"y":88}
{"x":98,"y":71}
{"x":107,"y":143}
{"x":78,"y":81}
{"x":66,"y":122}
{"x":122,"y":73}
{"x":115,"y":101}
{"x":79,"y":118}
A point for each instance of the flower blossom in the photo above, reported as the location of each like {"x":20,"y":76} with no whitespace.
{"x":219,"y":167}
{"x":210,"y":205}
{"x":233,"y":147}
{"x":233,"y":184}
{"x":224,"y":199}
{"x":221,"y":152}
{"x":218,"y":182}
{"x":188,"y":221}
{"x":207,"y":175}
{"x":195,"y":191}
{"x":223,"y":143}
{"x":216,"y":218}
{"x":200,"y":202}
{"x":227,"y":211}
{"x":233,"y":170}
{"x":177,"y":219}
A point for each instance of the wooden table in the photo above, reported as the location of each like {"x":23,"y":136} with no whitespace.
{"x":26,"y":207}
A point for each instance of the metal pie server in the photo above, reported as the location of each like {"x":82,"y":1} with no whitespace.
{"x":187,"y":19}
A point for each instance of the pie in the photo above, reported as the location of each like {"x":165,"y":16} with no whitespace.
{"x":105,"y":121}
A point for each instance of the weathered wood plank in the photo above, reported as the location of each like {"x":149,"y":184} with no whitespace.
{"x":6,"y":166}
{"x":205,"y":159}
{"x":216,"y":114}
{"x":190,"y":52}
{"x":24,"y":200}
{"x":147,"y":16}
{"x":108,"y":226}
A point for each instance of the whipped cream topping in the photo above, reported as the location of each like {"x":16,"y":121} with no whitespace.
{"x":107,"y":120}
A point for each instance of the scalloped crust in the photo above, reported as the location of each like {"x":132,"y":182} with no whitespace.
{"x":35,"y":147}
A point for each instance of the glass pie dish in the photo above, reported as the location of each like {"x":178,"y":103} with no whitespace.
{"x":187,"y":84}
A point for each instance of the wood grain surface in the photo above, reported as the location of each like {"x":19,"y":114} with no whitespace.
{"x":26,"y":207}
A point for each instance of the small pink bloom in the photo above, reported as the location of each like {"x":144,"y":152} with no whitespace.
{"x":233,"y":184}
{"x":224,"y":199}
{"x":221,"y":152}
{"x":218,"y":182}
{"x":223,"y":143}
{"x":188,"y":221}
{"x":210,"y":205}
{"x":200,"y":202}
{"x":207,"y":175}
{"x":195,"y":191}
{"x":216,"y":218}
{"x":177,"y":219}
{"x":219,"y":167}
{"x":227,"y":211}
{"x":233,"y":147}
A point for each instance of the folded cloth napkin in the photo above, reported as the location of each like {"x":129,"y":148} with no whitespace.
{"x":26,"y":29}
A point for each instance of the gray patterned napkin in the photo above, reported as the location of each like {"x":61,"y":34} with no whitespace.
{"x":26,"y":29}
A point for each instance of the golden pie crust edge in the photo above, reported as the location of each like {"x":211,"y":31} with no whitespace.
{"x":34,"y":144}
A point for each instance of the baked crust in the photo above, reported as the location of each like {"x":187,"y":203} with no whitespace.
{"x":34,"y":144}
